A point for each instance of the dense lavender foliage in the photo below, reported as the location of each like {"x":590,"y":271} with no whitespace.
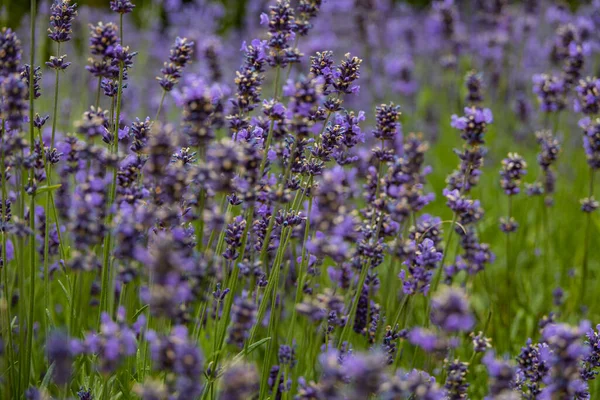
{"x":347,"y":199}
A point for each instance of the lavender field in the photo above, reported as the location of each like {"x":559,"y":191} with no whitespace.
{"x":338,"y":199}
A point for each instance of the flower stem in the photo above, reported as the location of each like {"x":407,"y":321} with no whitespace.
{"x":588,"y":226}
{"x":107,"y":286}
{"x":160,"y":105}
{"x":6,"y":283}
{"x":28,"y":353}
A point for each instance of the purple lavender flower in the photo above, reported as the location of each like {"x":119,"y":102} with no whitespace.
{"x":415,"y":384}
{"x":37,"y":76}
{"x":450,"y":310}
{"x":61,"y":351}
{"x":401,"y":72}
{"x":430,"y":341}
{"x":573,"y":64}
{"x":551,"y":92}
{"x":13,"y":91}
{"x":387,"y":116}
{"x":240,"y":381}
{"x":121,"y":6}
{"x":112,"y":344}
{"x":456,"y":385}
{"x":420,"y":265}
{"x":243,"y":316}
{"x":591,"y":362}
{"x":501,"y":378}
{"x":200,"y":104}
{"x":306,"y":11}
{"x":480,"y":342}
{"x":103,"y":38}
{"x":473,"y":124}
{"x":344,"y":76}
{"x":591,"y":140}
{"x":281,"y":23}
{"x":180,"y":54}
{"x":179,"y":357}
{"x":58,"y":63}
{"x":365,"y":372}
{"x":474,"y":84}
{"x":566,"y":351}
{"x":62,"y":14}
{"x":532,"y":368}
{"x":513,"y":169}
{"x":10,"y":52}
{"x":587,"y":100}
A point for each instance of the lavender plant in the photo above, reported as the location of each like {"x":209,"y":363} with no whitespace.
{"x":276,"y":216}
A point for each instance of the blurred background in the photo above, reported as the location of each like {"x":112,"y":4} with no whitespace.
{"x":14,"y":10}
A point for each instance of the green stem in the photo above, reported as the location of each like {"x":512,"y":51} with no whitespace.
{"x":365,"y":266}
{"x":6,"y":291}
{"x":107,"y":290}
{"x":588,"y":226}
{"x":47,"y":289}
{"x":29,"y":351}
{"x":160,"y":105}
{"x":98,"y":92}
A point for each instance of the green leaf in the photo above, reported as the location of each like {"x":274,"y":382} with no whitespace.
{"x":141,"y":310}
{"x":44,"y":189}
{"x":66,"y":292}
{"x":48,"y":376}
{"x":49,"y":315}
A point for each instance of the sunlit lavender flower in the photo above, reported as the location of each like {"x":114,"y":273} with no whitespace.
{"x":10,"y":52}
{"x":62,"y":14}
